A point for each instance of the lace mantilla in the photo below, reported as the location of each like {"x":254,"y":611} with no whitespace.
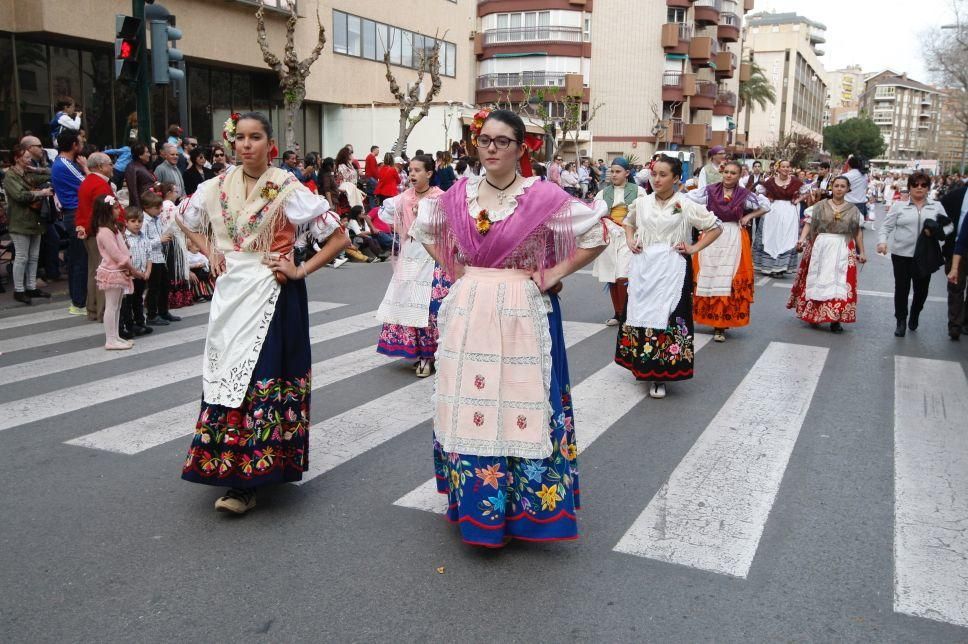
{"x":474,"y":186}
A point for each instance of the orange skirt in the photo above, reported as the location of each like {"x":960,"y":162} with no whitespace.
{"x":728,"y":311}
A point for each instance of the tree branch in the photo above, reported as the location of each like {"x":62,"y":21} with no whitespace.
{"x":267,"y":55}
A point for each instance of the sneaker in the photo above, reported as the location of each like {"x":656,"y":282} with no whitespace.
{"x":719,"y":336}
{"x":36,"y":292}
{"x":236,"y":501}
{"x":76,"y":310}
{"x":657,"y":390}
{"x":611,"y":322}
{"x":170,"y":317}
{"x":157,"y":321}
{"x":21,"y":296}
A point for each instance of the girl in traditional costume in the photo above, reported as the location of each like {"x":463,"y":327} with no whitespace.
{"x":418,"y":286}
{"x":724,"y":271}
{"x":253,"y":427}
{"x":775,"y":245}
{"x":655,"y":340}
{"x":612,"y":266}
{"x":832,"y":241}
{"x":505,"y":451}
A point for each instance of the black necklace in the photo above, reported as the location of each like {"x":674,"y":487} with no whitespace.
{"x":422,"y":192}
{"x":250,"y":176}
{"x":500,"y":191}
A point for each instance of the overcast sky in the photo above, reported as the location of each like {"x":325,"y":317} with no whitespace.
{"x":872,"y":33}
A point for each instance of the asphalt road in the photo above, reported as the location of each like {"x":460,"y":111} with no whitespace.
{"x":798,"y":538}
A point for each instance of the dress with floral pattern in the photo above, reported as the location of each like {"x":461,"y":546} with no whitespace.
{"x":415,"y":342}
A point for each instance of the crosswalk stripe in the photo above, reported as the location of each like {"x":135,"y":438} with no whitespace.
{"x":600,"y":401}
{"x":343,"y":437}
{"x":84,"y":329}
{"x":930,"y":489}
{"x":27,"y":410}
{"x":170,"y":424}
{"x":860,"y":291}
{"x":87,"y":357}
{"x":712,"y":511}
{"x":28,"y":319}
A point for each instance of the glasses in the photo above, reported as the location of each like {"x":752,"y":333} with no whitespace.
{"x":500,"y":142}
{"x":920,"y":185}
{"x":219,"y":154}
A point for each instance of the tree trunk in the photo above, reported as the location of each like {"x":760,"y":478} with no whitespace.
{"x":291,"y":109}
{"x":400,"y":146}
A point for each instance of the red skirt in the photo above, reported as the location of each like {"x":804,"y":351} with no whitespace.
{"x":817,"y":312}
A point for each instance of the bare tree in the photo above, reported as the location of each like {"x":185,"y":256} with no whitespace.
{"x":412,"y":108}
{"x":291,"y":71}
{"x":946,"y":48}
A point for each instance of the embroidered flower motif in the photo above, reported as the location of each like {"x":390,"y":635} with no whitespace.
{"x":677,"y":209}
{"x":269,"y":191}
{"x":549,"y":496}
{"x":478,"y":418}
{"x":233,"y":418}
{"x":479,"y":381}
{"x":483,"y":222}
{"x":522,"y":422}
{"x":489,"y":475}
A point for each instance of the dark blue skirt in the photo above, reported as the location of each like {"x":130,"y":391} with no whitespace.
{"x":266,"y":439}
{"x":494,"y":499}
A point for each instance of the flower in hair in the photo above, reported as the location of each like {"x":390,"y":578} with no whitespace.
{"x":230,"y":128}
{"x":477,"y":124}
{"x":110,"y":200}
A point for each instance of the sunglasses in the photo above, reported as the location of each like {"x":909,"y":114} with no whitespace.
{"x":920,"y":185}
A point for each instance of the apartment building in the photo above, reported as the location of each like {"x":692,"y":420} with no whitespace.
{"x":908,"y":114}
{"x":952,"y":145}
{"x":844,"y":87}
{"x":787,"y":47}
{"x":348,"y":100}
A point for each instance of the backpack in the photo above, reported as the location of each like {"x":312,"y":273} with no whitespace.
{"x":55,"y":128}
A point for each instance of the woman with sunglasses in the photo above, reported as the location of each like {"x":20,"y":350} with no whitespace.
{"x":505,"y":451}
{"x":902,"y":226}
{"x":832,"y":243}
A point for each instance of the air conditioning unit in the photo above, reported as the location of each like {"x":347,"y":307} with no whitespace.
{"x":473,"y":35}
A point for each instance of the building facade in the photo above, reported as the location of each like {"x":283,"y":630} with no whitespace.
{"x":844,"y":87}
{"x":54,"y":54}
{"x":786,"y":46}
{"x":952,"y":133}
{"x":908,"y":114}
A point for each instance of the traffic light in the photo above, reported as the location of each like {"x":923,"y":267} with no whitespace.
{"x":163,"y":54}
{"x":127,"y":46}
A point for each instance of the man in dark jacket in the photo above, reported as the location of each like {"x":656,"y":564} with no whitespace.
{"x":955,"y":203}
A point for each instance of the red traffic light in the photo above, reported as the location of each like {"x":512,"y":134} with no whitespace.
{"x":126,"y":50}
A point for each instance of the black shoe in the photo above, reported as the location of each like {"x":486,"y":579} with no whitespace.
{"x":157,"y":321}
{"x":140,"y":329}
{"x":900,"y":330}
{"x":955,"y":337}
{"x":126,"y":334}
{"x":836,"y":327}
{"x":913,"y":322}
{"x":36,"y":292}
{"x":20,"y":296}
{"x":170,"y":317}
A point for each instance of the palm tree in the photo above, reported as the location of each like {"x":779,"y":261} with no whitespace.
{"x":756,"y":90}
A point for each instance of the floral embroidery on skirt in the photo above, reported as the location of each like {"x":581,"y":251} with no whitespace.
{"x":815,"y":312}
{"x":411,"y":342}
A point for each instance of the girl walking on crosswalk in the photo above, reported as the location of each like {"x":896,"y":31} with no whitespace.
{"x":253,"y":427}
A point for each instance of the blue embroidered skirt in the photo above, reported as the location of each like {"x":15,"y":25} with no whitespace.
{"x":494,"y":499}
{"x":266,"y":439}
{"x":402,"y":341}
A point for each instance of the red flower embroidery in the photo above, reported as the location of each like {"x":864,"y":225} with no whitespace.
{"x":233,"y":418}
{"x":479,"y":381}
{"x":478,"y":418}
{"x":522,"y":422}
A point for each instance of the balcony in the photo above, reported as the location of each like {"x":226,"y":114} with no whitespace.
{"x":705,"y":97}
{"x":532,"y":34}
{"x":676,"y":37}
{"x":725,"y":64}
{"x":672,"y":86}
{"x":748,"y":5}
{"x":682,"y":4}
{"x":521,"y":79}
{"x":676,"y":130}
{"x":728,"y":30}
{"x":745,"y":72}
{"x":697,"y":134}
{"x":725,"y":104}
{"x":701,"y":50}
{"x":720,"y":137}
{"x":706,"y":12}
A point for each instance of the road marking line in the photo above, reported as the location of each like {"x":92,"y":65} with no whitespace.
{"x":601,"y":400}
{"x":144,"y":344}
{"x":85,"y":329}
{"x":343,"y":437}
{"x":763,"y":281}
{"x":27,"y":319}
{"x":27,"y":410}
{"x":931,"y":489}
{"x":167,"y":425}
{"x":712,"y":511}
{"x":931,"y":298}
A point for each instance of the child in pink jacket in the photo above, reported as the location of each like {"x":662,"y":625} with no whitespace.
{"x":114,"y":274}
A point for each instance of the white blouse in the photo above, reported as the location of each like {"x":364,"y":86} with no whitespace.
{"x":671,"y":223}
{"x":585,"y":219}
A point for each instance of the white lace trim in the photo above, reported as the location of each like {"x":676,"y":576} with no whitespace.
{"x":473,"y":207}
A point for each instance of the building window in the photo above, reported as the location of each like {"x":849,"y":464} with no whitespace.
{"x":675,"y":14}
{"x":362,"y":38}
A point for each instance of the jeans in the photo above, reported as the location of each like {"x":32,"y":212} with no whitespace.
{"x":27,"y":250}
{"x":76,"y":263}
{"x":95,"y":296}
{"x":50,"y":253}
{"x":904,"y":278}
{"x":384,"y":239}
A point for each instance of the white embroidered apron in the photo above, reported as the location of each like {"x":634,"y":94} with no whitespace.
{"x":656,"y":276}
{"x":827,"y":274}
{"x":781,"y":228}
{"x":719,"y":262}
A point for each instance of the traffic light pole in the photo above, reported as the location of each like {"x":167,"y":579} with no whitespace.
{"x":143,"y":87}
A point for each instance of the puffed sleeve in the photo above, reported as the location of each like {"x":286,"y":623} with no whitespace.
{"x":586,"y":222}
{"x":324,"y":225}
{"x":388,"y":211}
{"x":756,"y":202}
{"x":303,"y":206}
{"x":428,"y":215}
{"x":632,"y":217}
{"x":699,"y":217}
{"x":698,"y":195}
{"x":194,"y":213}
